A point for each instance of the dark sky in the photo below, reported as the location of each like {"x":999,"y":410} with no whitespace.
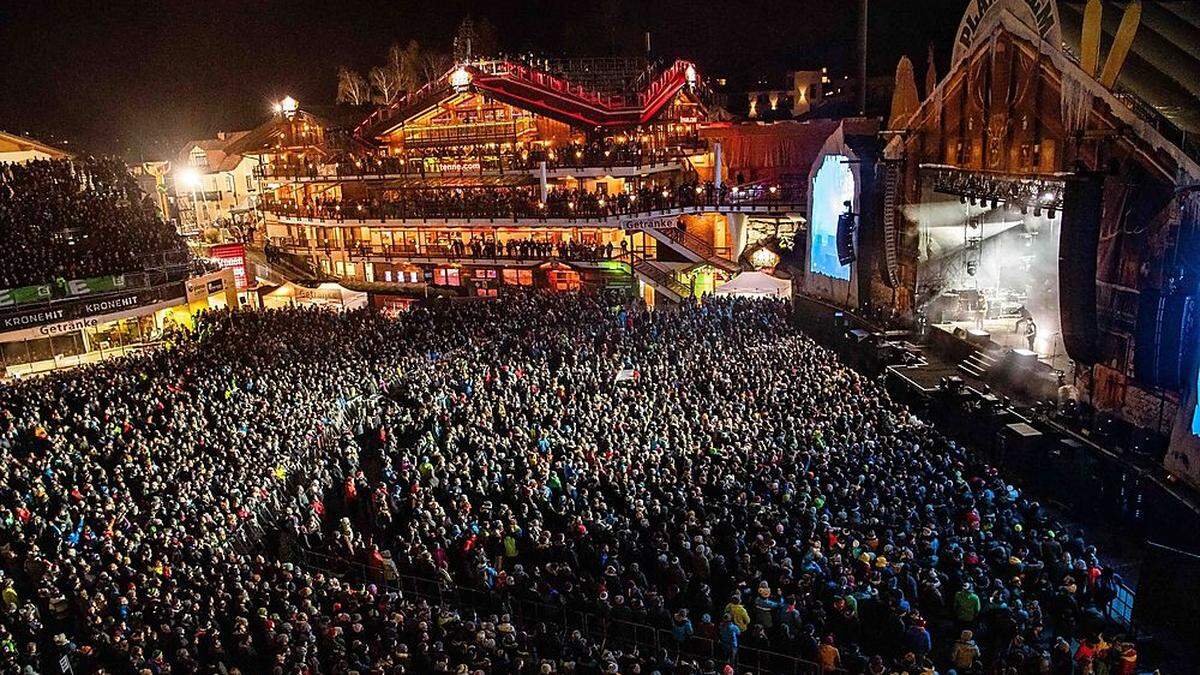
{"x":139,"y":78}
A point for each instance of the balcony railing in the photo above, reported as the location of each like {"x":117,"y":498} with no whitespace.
{"x":580,"y":157}
{"x":487,"y":203}
{"x":488,"y":250}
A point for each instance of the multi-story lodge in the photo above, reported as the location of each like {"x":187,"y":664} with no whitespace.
{"x":505,"y":173}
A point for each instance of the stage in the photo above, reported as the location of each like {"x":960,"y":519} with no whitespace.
{"x":1010,"y":333}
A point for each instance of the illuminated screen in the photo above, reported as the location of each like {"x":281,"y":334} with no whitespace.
{"x":1196,"y":410}
{"x":832,"y":187}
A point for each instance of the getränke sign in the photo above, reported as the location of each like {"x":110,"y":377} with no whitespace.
{"x":83,"y":309}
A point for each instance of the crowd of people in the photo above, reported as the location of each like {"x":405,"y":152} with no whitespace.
{"x":481,"y":247}
{"x":65,"y":219}
{"x":603,"y":153}
{"x":526,"y":202}
{"x":710,"y":472}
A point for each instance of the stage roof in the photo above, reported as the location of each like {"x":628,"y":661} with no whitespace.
{"x":1163,"y":67}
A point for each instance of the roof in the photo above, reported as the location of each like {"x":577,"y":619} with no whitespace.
{"x":1167,"y":157}
{"x":768,"y":150}
{"x":326,"y":117}
{"x":1163,"y":66}
{"x":17,"y":143}
{"x":216,"y":150}
{"x":538,"y":91}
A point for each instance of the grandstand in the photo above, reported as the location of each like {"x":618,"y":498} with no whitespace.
{"x":83,"y":255}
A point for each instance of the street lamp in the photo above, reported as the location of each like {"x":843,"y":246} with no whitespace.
{"x":191,"y":179}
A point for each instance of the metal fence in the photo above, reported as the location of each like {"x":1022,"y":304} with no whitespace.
{"x":601,"y":629}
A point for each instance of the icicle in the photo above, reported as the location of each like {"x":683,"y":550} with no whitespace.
{"x":1076,"y":102}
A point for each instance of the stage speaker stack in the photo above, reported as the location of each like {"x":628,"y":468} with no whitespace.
{"x":845,"y":238}
{"x":1166,"y":339}
{"x":1077,"y":246}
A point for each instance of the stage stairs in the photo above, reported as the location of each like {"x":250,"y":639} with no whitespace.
{"x":977,"y":364}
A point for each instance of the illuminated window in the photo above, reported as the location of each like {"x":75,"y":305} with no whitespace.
{"x":833,"y":186}
{"x":518,"y":277}
{"x":446,"y":276}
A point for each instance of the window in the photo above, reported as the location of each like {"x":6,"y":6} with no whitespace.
{"x":518,"y":277}
{"x":446,"y":276}
{"x":198,"y":158}
{"x":484,"y":273}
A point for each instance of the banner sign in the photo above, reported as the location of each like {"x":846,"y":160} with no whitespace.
{"x":83,"y":309}
{"x":199,"y":288}
{"x":96,"y":285}
{"x":457,"y":167}
{"x":232,"y":256}
{"x":657,"y":223}
{"x":24,"y":295}
{"x":983,"y":15}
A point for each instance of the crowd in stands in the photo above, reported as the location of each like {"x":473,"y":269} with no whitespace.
{"x":63,"y":219}
{"x":742,"y":490}
{"x":517,"y":203}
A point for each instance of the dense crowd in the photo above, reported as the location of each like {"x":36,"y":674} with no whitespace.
{"x":735,"y":486}
{"x":527,"y":203}
{"x":74,"y":219}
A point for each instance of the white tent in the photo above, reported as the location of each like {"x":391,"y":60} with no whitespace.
{"x":756,"y":284}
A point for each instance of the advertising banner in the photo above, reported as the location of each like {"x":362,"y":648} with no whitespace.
{"x":24,"y":295}
{"x":232,"y":256}
{"x":96,"y":285}
{"x":84,"y":309}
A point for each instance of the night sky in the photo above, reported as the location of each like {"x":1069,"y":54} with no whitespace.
{"x":140,"y":78}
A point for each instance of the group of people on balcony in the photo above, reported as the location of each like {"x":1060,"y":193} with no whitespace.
{"x":525,"y":202}
{"x":473,"y":159}
{"x":480,"y":247}
{"x":64,"y":219}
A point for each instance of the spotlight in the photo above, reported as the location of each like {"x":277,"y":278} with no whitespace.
{"x":995,"y":203}
{"x":1051,"y":213}
{"x":1024,"y":210}
{"x":972,"y":201}
{"x":1037,"y":212}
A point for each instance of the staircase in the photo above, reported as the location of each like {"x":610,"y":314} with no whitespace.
{"x":690,"y":246}
{"x":662,"y":282}
{"x":977,"y":364}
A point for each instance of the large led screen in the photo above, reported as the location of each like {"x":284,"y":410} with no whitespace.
{"x":833,"y":186}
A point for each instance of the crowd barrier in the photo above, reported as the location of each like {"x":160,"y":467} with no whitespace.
{"x":527,"y":612}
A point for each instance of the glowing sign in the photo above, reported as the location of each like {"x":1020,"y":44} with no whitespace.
{"x":833,"y":186}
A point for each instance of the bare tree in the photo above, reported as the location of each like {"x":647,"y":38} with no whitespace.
{"x":385,"y":84}
{"x":434,"y":65}
{"x":405,"y":63}
{"x":352,"y":87}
